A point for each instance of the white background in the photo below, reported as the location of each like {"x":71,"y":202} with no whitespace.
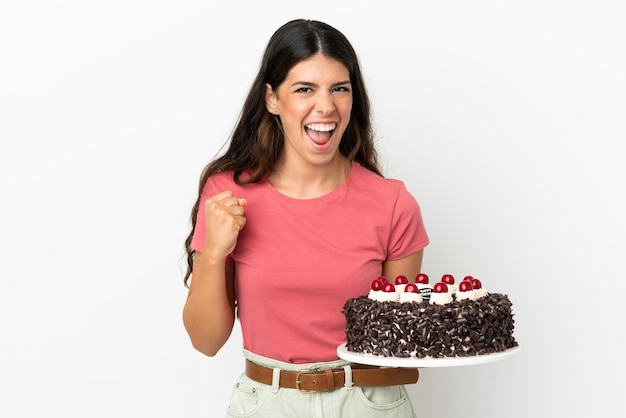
{"x":505,"y":119}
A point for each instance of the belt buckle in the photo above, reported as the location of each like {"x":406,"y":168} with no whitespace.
{"x":306,"y":371}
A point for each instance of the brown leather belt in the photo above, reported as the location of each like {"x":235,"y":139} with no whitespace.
{"x":327,"y":380}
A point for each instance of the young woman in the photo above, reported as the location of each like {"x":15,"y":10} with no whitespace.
{"x":290,"y":222}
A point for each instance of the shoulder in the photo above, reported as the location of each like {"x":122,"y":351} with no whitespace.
{"x":221,"y":178}
{"x":217,"y":182}
{"x":365,"y":179}
{"x":225,"y":180}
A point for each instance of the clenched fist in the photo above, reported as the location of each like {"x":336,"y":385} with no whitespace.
{"x":224,"y":215}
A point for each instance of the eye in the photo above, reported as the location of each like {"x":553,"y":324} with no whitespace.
{"x":345,"y":89}
{"x":303,"y":90}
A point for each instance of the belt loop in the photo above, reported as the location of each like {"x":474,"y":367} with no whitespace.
{"x":347,"y":369}
{"x":275,"y":380}
{"x":330,"y":380}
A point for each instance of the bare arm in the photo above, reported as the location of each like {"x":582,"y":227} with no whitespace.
{"x":408,"y":266}
{"x":209,"y":312}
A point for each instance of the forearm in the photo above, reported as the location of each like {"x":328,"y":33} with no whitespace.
{"x":209,"y":312}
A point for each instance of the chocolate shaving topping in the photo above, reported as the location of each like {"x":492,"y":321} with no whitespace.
{"x":458,"y":329}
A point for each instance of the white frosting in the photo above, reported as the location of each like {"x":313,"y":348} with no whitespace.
{"x":435,"y":298}
{"x":452,"y":288}
{"x":468,"y":294}
{"x":410,"y":297}
{"x":381,"y":296}
{"x":440,"y":298}
{"x":373,"y":294}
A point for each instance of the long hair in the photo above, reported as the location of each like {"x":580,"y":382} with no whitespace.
{"x":256,"y":142}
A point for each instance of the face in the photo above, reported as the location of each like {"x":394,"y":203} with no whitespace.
{"x":314,"y":104}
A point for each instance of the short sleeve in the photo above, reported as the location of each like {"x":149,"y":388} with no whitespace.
{"x":408,"y":234}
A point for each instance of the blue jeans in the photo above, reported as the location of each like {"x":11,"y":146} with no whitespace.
{"x":257,"y":400}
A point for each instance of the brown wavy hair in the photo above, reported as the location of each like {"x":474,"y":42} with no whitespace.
{"x":256,"y":142}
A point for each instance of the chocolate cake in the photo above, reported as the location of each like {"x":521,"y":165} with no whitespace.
{"x":468,"y":321}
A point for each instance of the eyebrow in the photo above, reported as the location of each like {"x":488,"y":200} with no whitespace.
{"x":309,"y":84}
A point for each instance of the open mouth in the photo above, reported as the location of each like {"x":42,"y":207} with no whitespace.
{"x":320,"y":133}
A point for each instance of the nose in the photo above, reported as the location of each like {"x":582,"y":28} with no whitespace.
{"x":325,"y":103}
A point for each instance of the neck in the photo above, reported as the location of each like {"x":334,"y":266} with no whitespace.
{"x":308,"y":182}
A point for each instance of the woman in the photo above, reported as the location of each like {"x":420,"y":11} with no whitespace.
{"x":294,"y":219}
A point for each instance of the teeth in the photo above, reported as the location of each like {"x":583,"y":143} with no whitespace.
{"x":322,"y":127}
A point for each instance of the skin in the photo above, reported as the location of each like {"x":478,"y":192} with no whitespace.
{"x":317,"y":91}
{"x":316,"y":95}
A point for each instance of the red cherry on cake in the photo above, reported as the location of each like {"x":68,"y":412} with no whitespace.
{"x":465,"y":286}
{"x":383,"y":279}
{"x":447,"y":279}
{"x":440,"y":287}
{"x":476,"y":284}
{"x":411,"y":288}
{"x":468,"y":278}
{"x":377,"y":285}
{"x":421,"y":278}
{"x":401,"y":280}
{"x":388,"y":287}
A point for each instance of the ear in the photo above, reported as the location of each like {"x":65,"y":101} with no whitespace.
{"x":270,"y":100}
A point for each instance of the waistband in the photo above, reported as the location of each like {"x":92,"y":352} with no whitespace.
{"x":325,"y":376}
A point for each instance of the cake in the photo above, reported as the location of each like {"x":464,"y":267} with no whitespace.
{"x":423,"y":321}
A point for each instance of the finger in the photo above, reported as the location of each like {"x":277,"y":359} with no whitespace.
{"x":212,"y":205}
{"x":241,"y":222}
{"x":227,"y":199}
{"x":236,"y":222}
{"x":233,"y":210}
{"x":226,"y":213}
{"x":231,"y":201}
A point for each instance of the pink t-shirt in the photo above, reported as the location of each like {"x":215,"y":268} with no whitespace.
{"x":298,"y":261}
